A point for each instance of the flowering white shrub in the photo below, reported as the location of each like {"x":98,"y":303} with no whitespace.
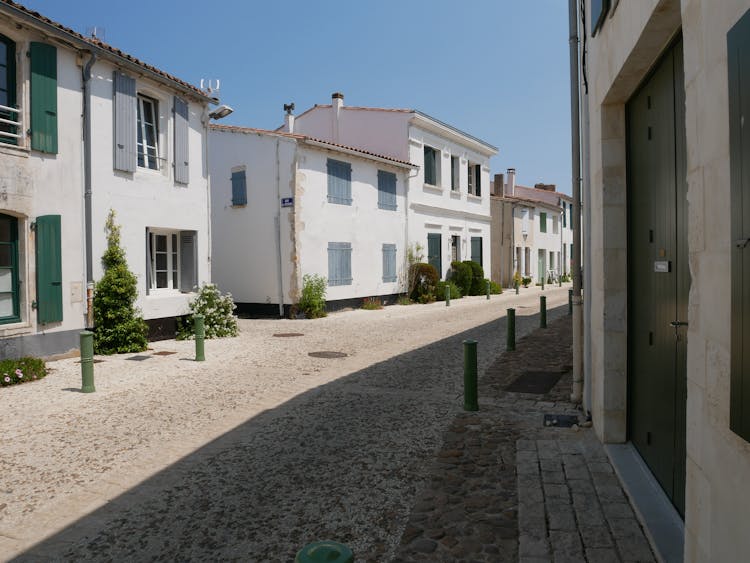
{"x":217,"y":314}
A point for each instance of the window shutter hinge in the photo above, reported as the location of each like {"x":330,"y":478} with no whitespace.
{"x":32,"y":226}
{"x":34,"y":305}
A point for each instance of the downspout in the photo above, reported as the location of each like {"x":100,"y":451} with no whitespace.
{"x":577,"y":391}
{"x":278,"y":230}
{"x":586,"y":225}
{"x":86,"y":75}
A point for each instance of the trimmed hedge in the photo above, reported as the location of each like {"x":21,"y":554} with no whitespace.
{"x":22,"y":370}
{"x":478,"y":287}
{"x":440,"y":290}
{"x":461,"y":275}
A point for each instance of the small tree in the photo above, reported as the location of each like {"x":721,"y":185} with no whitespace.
{"x":414,"y":255}
{"x":118,"y":324}
{"x":312,"y":301}
{"x":217,"y":310}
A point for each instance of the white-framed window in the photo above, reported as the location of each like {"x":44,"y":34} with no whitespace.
{"x":455,"y":182}
{"x":475,"y":179}
{"x":171,"y":260}
{"x":431,"y":166}
{"x":148,"y":133}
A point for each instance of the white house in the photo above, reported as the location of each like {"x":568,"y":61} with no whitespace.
{"x":85,"y":128}
{"x":667,"y":318}
{"x":536,"y":227}
{"x":285,"y":205}
{"x":447,"y":198}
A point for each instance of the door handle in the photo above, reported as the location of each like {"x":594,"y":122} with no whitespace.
{"x":675,"y":324}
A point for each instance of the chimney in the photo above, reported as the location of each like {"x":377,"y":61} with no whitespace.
{"x":510,"y":187}
{"x":289,"y":118}
{"x":337,"y":102}
{"x":499,"y":184}
{"x":546,"y":187}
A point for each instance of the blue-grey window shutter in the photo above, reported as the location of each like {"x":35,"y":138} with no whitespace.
{"x":386,"y":190}
{"x":339,"y":263}
{"x":124,"y":103}
{"x":389,"y":262}
{"x":239,"y":188}
{"x":339,"y":182}
{"x":188,"y":261}
{"x":181,"y":152}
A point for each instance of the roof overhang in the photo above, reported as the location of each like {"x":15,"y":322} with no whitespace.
{"x":438,"y":127}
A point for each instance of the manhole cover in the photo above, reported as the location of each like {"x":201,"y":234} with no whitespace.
{"x":287,"y":334}
{"x":327,"y":354}
{"x":138,"y":358}
{"x":560,"y":420}
{"x":94,"y":361}
{"x":164,"y":353}
{"x":537,"y":382}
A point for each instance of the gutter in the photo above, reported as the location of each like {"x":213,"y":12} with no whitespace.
{"x":87,"y":191}
{"x":338,"y":148}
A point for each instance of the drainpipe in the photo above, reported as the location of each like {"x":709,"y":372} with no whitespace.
{"x":278,"y":230}
{"x":586,"y":248}
{"x":577,"y":391}
{"x":86,"y":75}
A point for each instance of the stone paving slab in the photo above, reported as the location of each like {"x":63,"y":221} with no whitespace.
{"x":552,"y":495}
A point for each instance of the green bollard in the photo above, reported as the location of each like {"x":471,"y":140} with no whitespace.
{"x":542,"y":283}
{"x":511,"y":330}
{"x":488,"y":290}
{"x":324,"y":552}
{"x":516,"y":284}
{"x":543,"y":311}
{"x":570,"y":301}
{"x":470,"y":375}
{"x":559,"y":281}
{"x":447,"y":295}
{"x":87,"y":361}
{"x":200,"y":334}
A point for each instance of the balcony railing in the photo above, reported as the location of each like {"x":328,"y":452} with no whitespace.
{"x":10,"y":127}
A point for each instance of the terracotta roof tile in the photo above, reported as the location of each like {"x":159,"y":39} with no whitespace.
{"x":104,"y":46}
{"x":238,"y":129}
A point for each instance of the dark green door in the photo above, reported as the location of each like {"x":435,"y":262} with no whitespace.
{"x":658,"y":275}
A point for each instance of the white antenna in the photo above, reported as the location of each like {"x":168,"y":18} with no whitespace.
{"x":211,"y":86}
{"x":96,"y":32}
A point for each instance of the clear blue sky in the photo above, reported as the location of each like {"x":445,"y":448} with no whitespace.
{"x":497,"y":69}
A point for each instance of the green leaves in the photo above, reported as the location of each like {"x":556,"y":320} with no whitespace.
{"x":217,"y":311}
{"x":312,"y":302}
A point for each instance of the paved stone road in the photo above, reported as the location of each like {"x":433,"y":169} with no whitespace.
{"x":504,"y":487}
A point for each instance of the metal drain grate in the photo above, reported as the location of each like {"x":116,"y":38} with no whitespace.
{"x":560,"y":420}
{"x":138,"y":358}
{"x":164,"y":353}
{"x":536,"y":382}
{"x":287,"y":334}
{"x":326,"y":354}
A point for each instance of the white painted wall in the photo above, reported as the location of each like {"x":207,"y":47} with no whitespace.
{"x":245,"y":255}
{"x":148,"y":198}
{"x":34,"y":184}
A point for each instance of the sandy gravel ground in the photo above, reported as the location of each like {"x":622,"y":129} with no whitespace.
{"x":252,"y":453}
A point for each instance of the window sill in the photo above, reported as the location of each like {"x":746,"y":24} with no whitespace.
{"x":456,"y":194}
{"x":14,"y":150}
{"x":238,"y":206}
{"x":14,"y":328}
{"x":472,"y":197}
{"x":432,"y":188}
{"x":164,"y":292}
{"x":388,"y":207}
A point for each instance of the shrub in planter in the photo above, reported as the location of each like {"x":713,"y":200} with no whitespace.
{"x":217,"y":314}
{"x":118,"y":324}
{"x":461,"y":275}
{"x":312,"y":301}
{"x":478,"y":286}
{"x":426,"y":279}
{"x":22,"y":370}
{"x":440,"y":290}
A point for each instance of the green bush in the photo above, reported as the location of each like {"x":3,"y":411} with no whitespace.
{"x":461,"y":274}
{"x":526,"y":281}
{"x":495,"y":288}
{"x":372,"y":303}
{"x":312,"y":301}
{"x":426,"y":279}
{"x":440,"y":290}
{"x":404,"y":300}
{"x":478,"y":287}
{"x":517,"y":279}
{"x":217,"y":314}
{"x":22,"y":370}
{"x":118,"y":325}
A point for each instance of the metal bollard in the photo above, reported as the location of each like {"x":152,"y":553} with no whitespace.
{"x":570,"y":301}
{"x":511,"y":330}
{"x":543,"y":311}
{"x":516,"y":284}
{"x":200,"y":335}
{"x":488,"y":289}
{"x":324,"y":552}
{"x":559,"y":280}
{"x":87,"y":361}
{"x":447,"y":296}
{"x":470,"y":375}
{"x":543,"y":283}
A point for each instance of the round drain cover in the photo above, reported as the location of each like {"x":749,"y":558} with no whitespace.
{"x":327,"y":354}
{"x":287,"y":334}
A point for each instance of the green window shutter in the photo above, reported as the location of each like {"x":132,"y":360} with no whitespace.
{"x":434,"y":252}
{"x":44,"y":98}
{"x":738,"y":51}
{"x":48,"y":269}
{"x":542,"y":222}
{"x":476,"y":250}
